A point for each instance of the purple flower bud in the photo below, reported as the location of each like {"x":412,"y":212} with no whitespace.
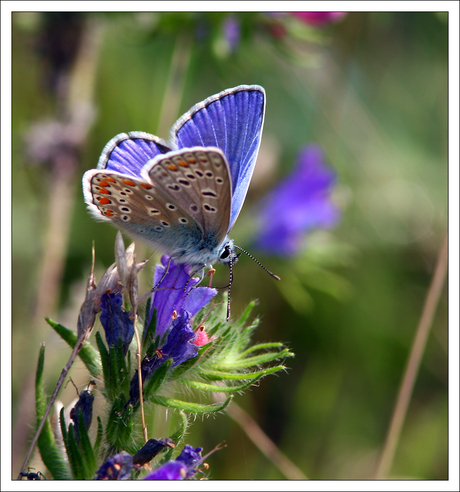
{"x":85,"y":405}
{"x":116,"y":321}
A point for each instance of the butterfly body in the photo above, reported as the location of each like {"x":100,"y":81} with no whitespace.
{"x":183,"y":198}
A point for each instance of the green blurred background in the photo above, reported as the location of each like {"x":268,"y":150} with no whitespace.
{"x":372,"y":91}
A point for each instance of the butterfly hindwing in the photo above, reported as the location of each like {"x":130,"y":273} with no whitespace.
{"x":232,"y":121}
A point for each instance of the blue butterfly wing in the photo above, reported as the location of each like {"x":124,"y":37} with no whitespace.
{"x":232,"y":121}
{"x":127,"y":153}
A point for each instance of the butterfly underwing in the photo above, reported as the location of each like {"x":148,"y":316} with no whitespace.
{"x":183,"y":197}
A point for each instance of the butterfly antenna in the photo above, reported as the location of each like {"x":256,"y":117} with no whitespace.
{"x":230,"y":281}
{"x":258,"y":262}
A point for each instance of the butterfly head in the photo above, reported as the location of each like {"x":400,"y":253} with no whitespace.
{"x":227,"y":253}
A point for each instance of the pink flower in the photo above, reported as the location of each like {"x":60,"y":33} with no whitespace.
{"x":319,"y":19}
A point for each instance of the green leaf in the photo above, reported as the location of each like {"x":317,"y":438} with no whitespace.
{"x":49,"y":450}
{"x":87,"y":354}
{"x":196,"y":408}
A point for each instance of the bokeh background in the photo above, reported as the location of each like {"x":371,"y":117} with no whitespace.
{"x":371,"y":90}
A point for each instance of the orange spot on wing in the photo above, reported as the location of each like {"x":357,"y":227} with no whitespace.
{"x":128,"y":182}
{"x":110,"y":180}
{"x":183,"y":163}
{"x":172,"y":167}
{"x":146,"y":186}
{"x":109,"y":213}
{"x":103,"y":200}
{"x":103,"y":183}
{"x":103,"y":191}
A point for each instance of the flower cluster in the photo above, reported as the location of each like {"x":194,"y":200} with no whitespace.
{"x":184,"y":342}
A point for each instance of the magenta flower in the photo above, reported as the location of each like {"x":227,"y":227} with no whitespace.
{"x":319,"y":19}
{"x":298,"y":204}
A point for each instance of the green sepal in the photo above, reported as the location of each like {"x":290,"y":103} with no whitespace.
{"x":177,"y":436}
{"x":104,"y":353}
{"x":156,"y":381}
{"x":217,"y":389}
{"x":261,"y":346}
{"x":148,"y":336}
{"x":87,"y":354}
{"x":222,"y":375}
{"x":254,"y":361}
{"x":231,"y":389}
{"x":122,"y":369}
{"x":196,"y":408}
{"x":99,"y":436}
{"x":87,"y":451}
{"x":73,"y":453}
{"x":119,"y":430}
{"x":50,"y":452}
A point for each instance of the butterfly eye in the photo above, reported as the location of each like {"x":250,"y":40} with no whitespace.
{"x":225,"y":253}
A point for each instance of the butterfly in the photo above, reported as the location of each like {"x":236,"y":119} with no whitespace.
{"x":183,"y":197}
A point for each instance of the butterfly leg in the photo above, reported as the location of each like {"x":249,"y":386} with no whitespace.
{"x":200,"y":273}
{"x":155,"y":288}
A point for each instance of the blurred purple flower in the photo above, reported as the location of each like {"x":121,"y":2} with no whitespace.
{"x":299,"y":203}
{"x":231,"y":28}
{"x":184,"y":466}
{"x":171,"y":295}
{"x":117,"y":467}
{"x":116,"y":321}
{"x":319,"y":19}
{"x":179,"y":347}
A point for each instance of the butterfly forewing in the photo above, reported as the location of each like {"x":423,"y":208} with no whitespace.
{"x":137,"y":208}
{"x":197,"y":180}
{"x":232,"y":121}
{"x":128,"y":153}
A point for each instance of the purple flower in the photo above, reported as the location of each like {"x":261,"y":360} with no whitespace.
{"x":117,"y":467}
{"x":116,"y":321}
{"x":179,"y":347}
{"x":184,"y":466}
{"x":319,"y":19}
{"x":231,"y":28}
{"x":299,"y":203}
{"x":173,"y":296}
